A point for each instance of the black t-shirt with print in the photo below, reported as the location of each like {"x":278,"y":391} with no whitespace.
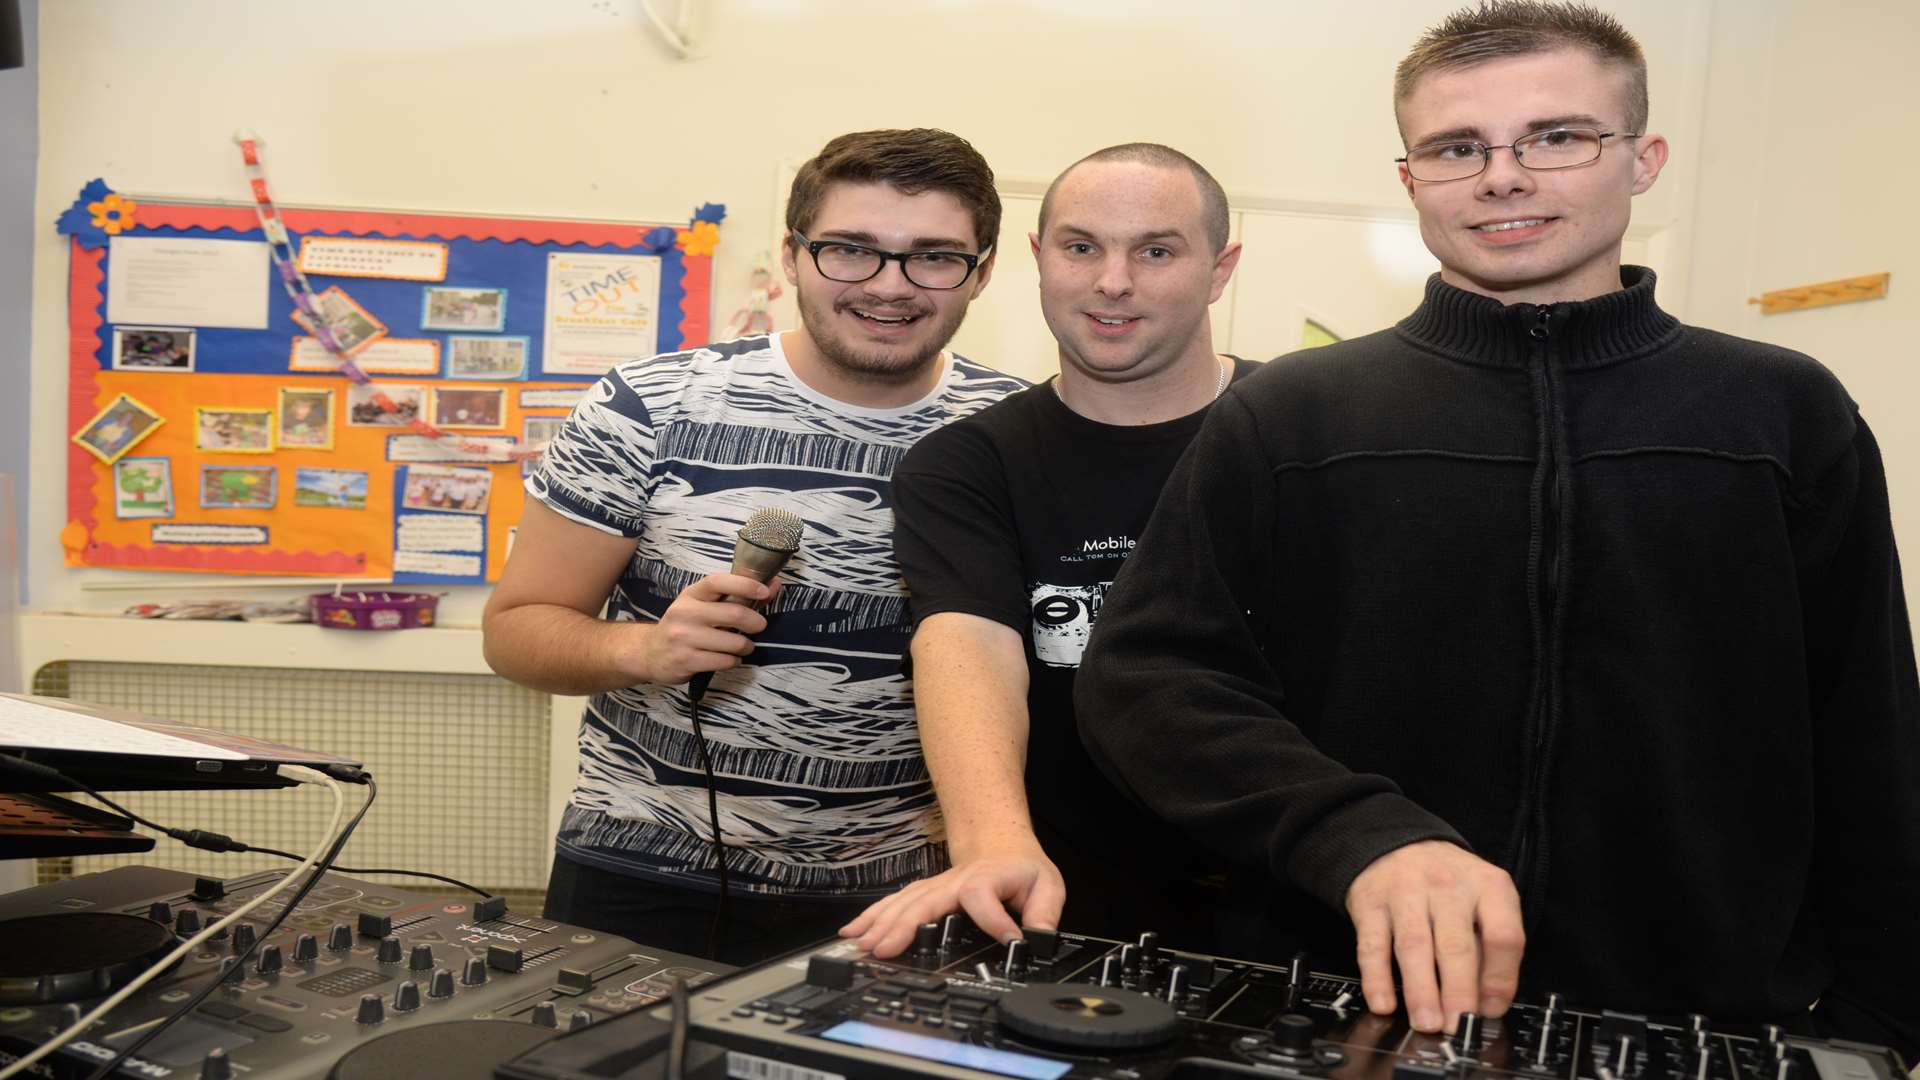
{"x":1023,"y":513}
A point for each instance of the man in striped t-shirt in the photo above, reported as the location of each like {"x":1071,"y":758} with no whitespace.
{"x":823,"y":800}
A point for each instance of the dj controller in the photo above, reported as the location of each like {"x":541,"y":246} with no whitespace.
{"x":1060,"y":1005}
{"x":360,"y":981}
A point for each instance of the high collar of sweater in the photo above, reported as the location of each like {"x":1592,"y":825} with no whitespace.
{"x":1605,"y":329}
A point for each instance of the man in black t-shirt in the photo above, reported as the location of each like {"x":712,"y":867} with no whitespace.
{"x":1010,"y":524}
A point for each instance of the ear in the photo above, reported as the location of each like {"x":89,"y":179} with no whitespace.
{"x":1033,"y":243}
{"x":1223,"y":265}
{"x":789,"y":259}
{"x":1406,"y":180}
{"x":1648,"y":159}
{"x":984,"y":272}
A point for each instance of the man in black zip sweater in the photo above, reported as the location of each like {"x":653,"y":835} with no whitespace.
{"x":1540,"y":623}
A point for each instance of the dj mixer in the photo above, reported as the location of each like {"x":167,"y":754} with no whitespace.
{"x":360,"y":981}
{"x":1060,"y":1005}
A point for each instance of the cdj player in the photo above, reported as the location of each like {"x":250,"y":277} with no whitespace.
{"x":1057,"y":1006}
{"x":360,"y":981}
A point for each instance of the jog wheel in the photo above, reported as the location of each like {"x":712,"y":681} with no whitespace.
{"x":1087,"y":1017}
{"x":454,"y":1050}
{"x":46,"y":959}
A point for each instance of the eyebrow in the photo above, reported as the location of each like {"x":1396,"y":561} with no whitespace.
{"x":1150,"y":236}
{"x":1543,"y":124}
{"x":924,"y":243}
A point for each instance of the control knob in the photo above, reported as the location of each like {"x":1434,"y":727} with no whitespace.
{"x":1016,"y":962}
{"x":441,"y":985}
{"x":270,"y":960}
{"x":422,"y":958}
{"x":546,"y":1014}
{"x":187,"y":923}
{"x":406,"y":997}
{"x":926,"y":939}
{"x":475,"y":973}
{"x":340,"y":938}
{"x":1467,"y":1036}
{"x":244,"y":935}
{"x":305,"y":949}
{"x":215,"y":1065}
{"x":1293,"y":1034}
{"x":389,"y":950}
{"x":372,"y":1010}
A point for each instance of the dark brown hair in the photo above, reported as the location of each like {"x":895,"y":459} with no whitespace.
{"x":1498,"y":28}
{"x":1213,"y":198}
{"x":911,"y":160}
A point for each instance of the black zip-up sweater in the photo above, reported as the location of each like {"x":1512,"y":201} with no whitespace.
{"x":1611,"y":600}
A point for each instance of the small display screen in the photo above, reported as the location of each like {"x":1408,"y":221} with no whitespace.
{"x":964,"y":1055}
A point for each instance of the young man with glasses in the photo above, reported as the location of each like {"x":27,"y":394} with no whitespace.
{"x":1540,"y":622}
{"x":806,"y":734}
{"x":1010,"y":525}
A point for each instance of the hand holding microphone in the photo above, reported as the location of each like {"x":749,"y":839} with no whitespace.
{"x":707,"y":627}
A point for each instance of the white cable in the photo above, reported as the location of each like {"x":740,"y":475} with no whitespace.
{"x":673,"y":39}
{"x":292,"y":772}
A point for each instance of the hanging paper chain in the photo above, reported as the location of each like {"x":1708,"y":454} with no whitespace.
{"x":280,"y":246}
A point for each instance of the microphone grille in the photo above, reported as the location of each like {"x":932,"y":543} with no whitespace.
{"x":774,"y":529}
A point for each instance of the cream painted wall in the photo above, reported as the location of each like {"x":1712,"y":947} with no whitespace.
{"x":1807,"y":175}
{"x":574,"y":107}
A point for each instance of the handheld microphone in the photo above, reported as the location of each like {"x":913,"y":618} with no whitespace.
{"x":760,"y":550}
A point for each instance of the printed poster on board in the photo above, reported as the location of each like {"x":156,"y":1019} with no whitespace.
{"x":602,"y":310}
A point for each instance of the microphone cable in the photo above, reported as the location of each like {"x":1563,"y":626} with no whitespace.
{"x":761,"y":547}
{"x":717,"y":930}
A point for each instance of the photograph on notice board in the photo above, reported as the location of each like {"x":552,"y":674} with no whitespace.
{"x":438,"y":487}
{"x":353,"y":327}
{"x":233,"y":431}
{"x":345,"y":489}
{"x":115,"y":429}
{"x":306,"y":418}
{"x":364,"y":411}
{"x":500,"y":358}
{"x":143,"y":487}
{"x":152,"y":348}
{"x":237,"y":487}
{"x":463,"y":407}
{"x":448,"y":307}
{"x":535,"y":433}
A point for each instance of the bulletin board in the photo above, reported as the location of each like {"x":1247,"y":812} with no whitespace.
{"x":212,"y":432}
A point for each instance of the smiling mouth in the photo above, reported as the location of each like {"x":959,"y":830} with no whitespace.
{"x":1113,"y":320}
{"x":1505,"y":226}
{"x":883,"y":320}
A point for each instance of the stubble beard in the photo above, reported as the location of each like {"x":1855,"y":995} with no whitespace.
{"x":880,"y":365}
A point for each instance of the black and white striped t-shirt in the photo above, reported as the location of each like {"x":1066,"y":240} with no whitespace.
{"x":814,"y":747}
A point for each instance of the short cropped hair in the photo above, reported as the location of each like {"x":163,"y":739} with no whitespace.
{"x":1213,"y":198}
{"x":912,"y":160}
{"x":1498,"y":28}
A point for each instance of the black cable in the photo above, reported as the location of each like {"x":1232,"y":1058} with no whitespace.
{"x":677,"y":1038}
{"x":475,"y":889}
{"x":717,"y":931}
{"x":320,"y":869}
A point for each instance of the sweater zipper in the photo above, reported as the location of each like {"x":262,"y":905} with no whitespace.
{"x":1533,"y":797}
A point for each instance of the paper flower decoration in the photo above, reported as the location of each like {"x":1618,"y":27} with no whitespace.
{"x":701,"y":239}
{"x":658,"y":239}
{"x":713,"y":211}
{"x":86,"y":220}
{"x":114,"y":214}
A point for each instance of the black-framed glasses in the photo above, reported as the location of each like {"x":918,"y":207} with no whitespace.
{"x":838,"y":260}
{"x":1554,"y":148}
